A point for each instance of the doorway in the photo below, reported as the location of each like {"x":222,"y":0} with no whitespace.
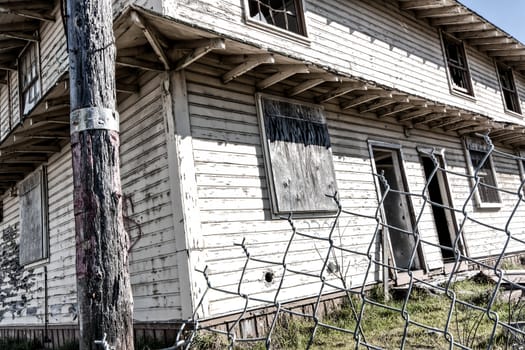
{"x":439,"y":195}
{"x":396,"y":210}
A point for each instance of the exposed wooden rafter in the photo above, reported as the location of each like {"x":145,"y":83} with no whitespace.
{"x":359,"y":100}
{"x":283,"y":73}
{"x":156,"y":40}
{"x":250,"y":62}
{"x":344,"y":89}
{"x":200,"y":51}
{"x":312,"y":82}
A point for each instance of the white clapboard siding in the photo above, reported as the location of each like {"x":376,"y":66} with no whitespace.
{"x":21,"y":290}
{"x":234,"y":198}
{"x":145,"y":184}
{"x":372,"y":40}
{"x":15,"y":102}
{"x":5,"y":115}
{"x":53,"y":51}
{"x":61,"y":268}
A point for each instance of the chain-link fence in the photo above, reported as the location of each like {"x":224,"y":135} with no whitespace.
{"x":469,"y":303}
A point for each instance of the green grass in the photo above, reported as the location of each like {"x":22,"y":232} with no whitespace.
{"x":426,"y":317}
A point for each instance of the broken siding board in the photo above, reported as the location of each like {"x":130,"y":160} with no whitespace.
{"x":5,"y":115}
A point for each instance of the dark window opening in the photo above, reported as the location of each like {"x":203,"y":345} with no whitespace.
{"x":285,"y":14}
{"x":508,"y":88}
{"x":457,"y":65}
{"x":1,"y":211}
{"x":487,"y":190}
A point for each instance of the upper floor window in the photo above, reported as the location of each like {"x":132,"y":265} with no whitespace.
{"x":29,"y":73}
{"x":508,"y":88}
{"x":482,"y":167}
{"x":284,"y":14}
{"x":458,"y":70}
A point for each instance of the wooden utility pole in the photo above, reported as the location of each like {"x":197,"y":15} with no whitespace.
{"x":103,"y":287}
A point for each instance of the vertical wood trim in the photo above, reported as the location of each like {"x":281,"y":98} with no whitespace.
{"x":181,"y":165}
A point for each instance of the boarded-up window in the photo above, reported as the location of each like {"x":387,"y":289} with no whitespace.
{"x":33,"y":217}
{"x":29,"y":78}
{"x":482,"y":166}
{"x":298,"y":156}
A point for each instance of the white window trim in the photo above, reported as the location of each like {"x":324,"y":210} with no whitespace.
{"x":38,"y":79}
{"x":303,"y":39}
{"x":509,"y":111}
{"x":477,"y":198}
{"x":454,"y":89}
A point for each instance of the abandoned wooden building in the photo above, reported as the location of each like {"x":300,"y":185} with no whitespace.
{"x":214,"y":98}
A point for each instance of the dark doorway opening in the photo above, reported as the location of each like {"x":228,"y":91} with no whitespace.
{"x":438,"y":195}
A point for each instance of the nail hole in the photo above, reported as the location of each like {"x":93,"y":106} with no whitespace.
{"x":268,"y":276}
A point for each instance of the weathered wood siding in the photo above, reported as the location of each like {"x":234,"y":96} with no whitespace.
{"x":234,"y":199}
{"x":146,"y":188}
{"x":21,"y":290}
{"x":53,"y":64}
{"x":369,"y":39}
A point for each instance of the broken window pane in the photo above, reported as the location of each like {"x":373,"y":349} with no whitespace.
{"x":285,"y":14}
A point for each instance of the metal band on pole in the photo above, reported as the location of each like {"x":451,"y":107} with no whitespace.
{"x":91,"y":118}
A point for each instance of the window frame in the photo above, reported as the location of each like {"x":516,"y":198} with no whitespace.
{"x":515,"y":94}
{"x":302,"y":23}
{"x":31,"y":50}
{"x":478,"y":145}
{"x":275,"y":208}
{"x":41,"y":172}
{"x":455,"y":89}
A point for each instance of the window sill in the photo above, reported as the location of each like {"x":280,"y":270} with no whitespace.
{"x":495,"y":206}
{"x":36,"y":263}
{"x":278,"y":31}
{"x":513,"y":113}
{"x":462,"y":94}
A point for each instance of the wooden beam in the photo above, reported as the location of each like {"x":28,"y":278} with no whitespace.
{"x":460,"y":125}
{"x":8,"y":67}
{"x":430,"y":118}
{"x":440,"y":11}
{"x":127,"y":88}
{"x":133,"y":51}
{"x":491,"y":41}
{"x":384,"y":103}
{"x":420,"y":112}
{"x":15,"y":169}
{"x":9,"y":44}
{"x":156,"y":41}
{"x":468,"y":27}
{"x":139,"y":63}
{"x":478,"y":34}
{"x":31,"y":149}
{"x":423,"y":4}
{"x":508,"y":46}
{"x":456,"y":19}
{"x":25,"y":26}
{"x":344,"y":89}
{"x":511,"y":52}
{"x":21,"y":36}
{"x":28,"y":5}
{"x":401,"y":108}
{"x":197,"y":53}
{"x":366,"y":98}
{"x":283,"y":74}
{"x":311,"y":83}
{"x":249,"y":64}
{"x":28,"y":14}
{"x":474,"y":129}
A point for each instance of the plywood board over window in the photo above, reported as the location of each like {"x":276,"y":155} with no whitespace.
{"x":33,"y":217}
{"x":298,"y":156}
